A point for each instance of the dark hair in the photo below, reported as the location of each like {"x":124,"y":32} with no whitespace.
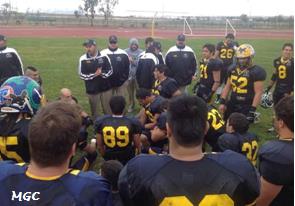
{"x":187,"y":118}
{"x":239,"y":122}
{"x":287,"y":45}
{"x":52,"y":133}
{"x":284,"y":111}
{"x":210,"y":47}
{"x":230,"y":36}
{"x":32,"y":68}
{"x":142,"y":93}
{"x":148,"y":40}
{"x":117,"y":104}
{"x":162,"y":68}
{"x":110,"y":170}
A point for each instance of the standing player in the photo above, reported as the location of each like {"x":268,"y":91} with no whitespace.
{"x":245,"y":82}
{"x":10,"y":62}
{"x":118,"y":137}
{"x":182,"y":63}
{"x":95,"y":69}
{"x":283,"y":75}
{"x":48,"y":180}
{"x":187,"y":176}
{"x":120,"y":64}
{"x":225,"y":51}
{"x":209,"y":73}
{"x":238,"y":139}
{"x":276,"y":159}
{"x":133,"y":52}
{"x":164,"y":86}
{"x":20,"y":98}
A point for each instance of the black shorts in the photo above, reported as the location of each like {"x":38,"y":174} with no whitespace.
{"x":122,"y":155}
{"x":240,"y":107}
{"x":204,"y":92}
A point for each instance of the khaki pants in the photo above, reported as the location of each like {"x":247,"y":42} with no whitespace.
{"x":98,"y":101}
{"x":131,"y":88}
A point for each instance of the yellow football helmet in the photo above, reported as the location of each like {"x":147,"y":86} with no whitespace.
{"x":244,"y":51}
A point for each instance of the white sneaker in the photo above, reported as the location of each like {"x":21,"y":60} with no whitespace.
{"x":272,"y":129}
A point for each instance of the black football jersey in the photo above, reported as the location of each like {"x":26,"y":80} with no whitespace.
{"x":19,"y":187}
{"x":226,"y":52}
{"x":216,"y":127}
{"x":117,"y":131}
{"x":165,"y":88}
{"x":206,"y":71}
{"x":153,"y":108}
{"x":242,"y":83}
{"x":14,"y":146}
{"x":222,"y":178}
{"x":283,"y":75}
{"x":246,"y":144}
{"x":276,"y":165}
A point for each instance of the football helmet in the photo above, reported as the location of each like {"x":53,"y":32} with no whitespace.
{"x":20,"y":94}
{"x":245,"y":50}
{"x":266,"y":100}
{"x":244,"y":54}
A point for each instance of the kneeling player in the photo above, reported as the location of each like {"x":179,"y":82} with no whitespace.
{"x":118,"y":136}
{"x":216,"y":128}
{"x":238,"y":138}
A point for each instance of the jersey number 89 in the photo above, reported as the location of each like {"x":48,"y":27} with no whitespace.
{"x":113,"y":137}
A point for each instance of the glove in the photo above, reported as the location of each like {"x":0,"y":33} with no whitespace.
{"x":207,"y":97}
{"x":87,"y":121}
{"x":195,"y":87}
{"x":251,"y":114}
{"x":82,"y":140}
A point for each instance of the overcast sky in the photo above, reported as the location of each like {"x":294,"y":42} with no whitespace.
{"x":172,"y":7}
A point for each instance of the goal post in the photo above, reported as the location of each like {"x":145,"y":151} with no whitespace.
{"x":188,"y":31}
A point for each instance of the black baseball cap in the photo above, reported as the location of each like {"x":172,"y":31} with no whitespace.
{"x":2,"y":37}
{"x":230,"y":36}
{"x":113,"y":39}
{"x":89,"y":42}
{"x":181,"y":37}
{"x":157,"y":45}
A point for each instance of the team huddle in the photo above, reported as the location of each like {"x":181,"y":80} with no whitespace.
{"x":179,"y":149}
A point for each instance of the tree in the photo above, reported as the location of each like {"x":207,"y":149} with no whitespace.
{"x":106,"y":7}
{"x":89,"y":9}
{"x":6,"y":11}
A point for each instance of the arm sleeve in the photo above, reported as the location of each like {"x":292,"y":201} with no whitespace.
{"x":107,"y":69}
{"x":259,"y":75}
{"x":275,"y":173}
{"x":83,"y":73}
{"x":19,"y":64}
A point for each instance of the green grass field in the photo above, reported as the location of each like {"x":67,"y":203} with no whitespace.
{"x":57,"y":60}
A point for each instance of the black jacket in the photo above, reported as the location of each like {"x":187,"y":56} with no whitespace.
{"x":182,"y":64}
{"x":10,"y":64}
{"x":120,"y":64}
{"x":87,"y":68}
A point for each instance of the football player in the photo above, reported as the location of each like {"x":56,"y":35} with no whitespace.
{"x":216,"y":128}
{"x":245,"y":82}
{"x":225,"y":50}
{"x":209,"y":73}
{"x":20,"y":98}
{"x":48,"y":180}
{"x":163,"y":85}
{"x":238,"y":139}
{"x":118,"y":137}
{"x":283,"y":75}
{"x":276,"y":159}
{"x":187,"y":176}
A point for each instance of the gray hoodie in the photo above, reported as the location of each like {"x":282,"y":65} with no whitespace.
{"x":134,"y":55}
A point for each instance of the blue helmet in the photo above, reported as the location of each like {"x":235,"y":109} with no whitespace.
{"x":20,"y":94}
